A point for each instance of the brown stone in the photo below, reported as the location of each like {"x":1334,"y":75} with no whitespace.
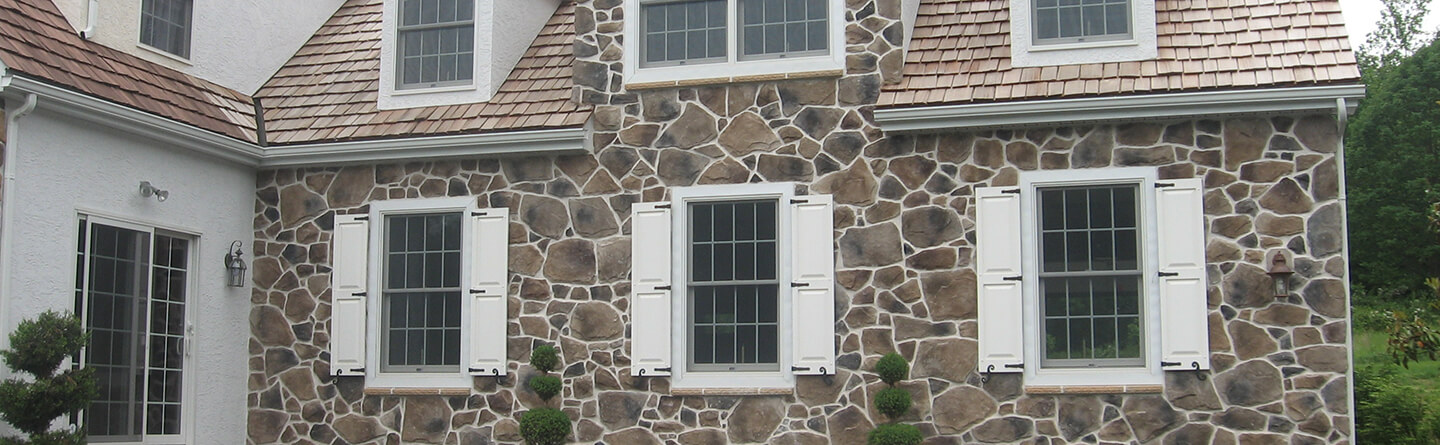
{"x":1144,"y":156}
{"x":1078,"y":416}
{"x":877,"y":245}
{"x":592,"y":217}
{"x":1325,"y":181}
{"x":426,"y":420}
{"x":544,"y":215}
{"x":265,"y":426}
{"x":1283,"y":315}
{"x":1150,"y":416}
{"x":778,"y":168}
{"x":1021,"y":154}
{"x":727,"y":171}
{"x":1323,"y":231}
{"x":270,"y":327}
{"x":755,"y":419}
{"x":680,"y":168}
{"x":799,"y":438}
{"x":704,"y":436}
{"x":526,"y":169}
{"x":848,"y":426}
{"x":640,"y":135}
{"x":1269,"y":224}
{"x":352,"y":428}
{"x":748,"y":133}
{"x":1251,"y":341}
{"x":633,"y":436}
{"x":1003,"y":429}
{"x":989,"y":153}
{"x":1252,"y":383}
{"x":1286,"y":198}
{"x":1265,"y":171}
{"x":1194,"y":433}
{"x":614,"y":259}
{"x":951,"y":359}
{"x":818,"y":122}
{"x":1323,"y":358}
{"x":298,"y":204}
{"x":1299,"y":405}
{"x":1318,"y":133}
{"x":1220,"y":251}
{"x":950,"y":295}
{"x":571,"y":261}
{"x":351,"y":186}
{"x":1326,"y":296}
{"x":816,"y":391}
{"x":300,"y":382}
{"x":1245,"y":140}
{"x":1241,"y":419}
{"x":596,"y":321}
{"x":912,"y":171}
{"x":930,"y":226}
{"x":1233,"y":226}
{"x":1185,"y":390}
{"x":933,"y":259}
{"x":1095,"y":150}
{"x":1247,"y":286}
{"x":1138,"y":134}
{"x":855,"y":185}
{"x":694,"y":127}
{"x":960,"y":408}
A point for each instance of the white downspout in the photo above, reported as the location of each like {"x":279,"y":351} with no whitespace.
{"x":1341,"y":118}
{"x":91,"y":16}
{"x":7,"y":211}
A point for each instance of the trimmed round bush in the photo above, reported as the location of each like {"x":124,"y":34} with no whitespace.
{"x":894,"y":434}
{"x":545,"y":358}
{"x":893,"y":402}
{"x":544,"y":426}
{"x":892,"y":368}
{"x":545,"y":386}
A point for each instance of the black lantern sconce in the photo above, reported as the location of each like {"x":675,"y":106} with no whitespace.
{"x":1280,"y":272}
{"x":234,"y":266}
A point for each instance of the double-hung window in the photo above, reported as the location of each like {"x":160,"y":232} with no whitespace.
{"x":1062,"y":21}
{"x":1067,"y":32}
{"x":1104,"y":270}
{"x":735,"y":282}
{"x":132,"y":289}
{"x":438,"y":311}
{"x":436,"y":43}
{"x":165,"y":25}
{"x":733,"y":37}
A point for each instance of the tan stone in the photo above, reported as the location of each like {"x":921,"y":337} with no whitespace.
{"x":960,"y":408}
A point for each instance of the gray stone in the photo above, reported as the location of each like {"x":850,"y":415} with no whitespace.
{"x":855,"y":185}
{"x":680,"y":168}
{"x":270,"y":327}
{"x":1095,"y":150}
{"x":704,"y":436}
{"x":1269,"y":224}
{"x":544,"y":215}
{"x":265,"y":426}
{"x":1286,"y":198}
{"x":426,"y":420}
{"x":950,"y":295}
{"x":748,"y":133}
{"x":593,"y":217}
{"x":818,"y":122}
{"x":1150,"y":416}
{"x":1138,"y":134}
{"x":1323,"y":358}
{"x":596,"y":321}
{"x":1194,"y":433}
{"x":960,"y":408}
{"x":1326,"y":296}
{"x":1266,"y":171}
{"x":932,"y":226}
{"x":848,"y":426}
{"x":529,"y":168}
{"x":352,"y":428}
{"x":571,"y":261}
{"x":694,"y":127}
{"x":1245,"y":140}
{"x":1004,"y":429}
{"x":1185,"y":390}
{"x":1325,"y":181}
{"x":298,"y":204}
{"x":351,"y":186}
{"x":1241,"y":419}
{"x":777,"y":168}
{"x":1144,"y":156}
{"x":1323,"y":232}
{"x":659,"y":105}
{"x":1251,"y":341}
{"x":620,"y":410}
{"x":1337,"y":395}
{"x":1078,"y":416}
{"x":1248,"y":286}
{"x":1252,"y":383}
{"x":951,"y":359}
{"x":1319,"y":133}
{"x":844,"y":146}
{"x":755,"y":419}
{"x":633,"y":436}
{"x":614,"y":259}
{"x":877,"y":245}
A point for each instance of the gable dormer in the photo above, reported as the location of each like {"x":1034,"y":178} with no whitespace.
{"x":448,"y":52}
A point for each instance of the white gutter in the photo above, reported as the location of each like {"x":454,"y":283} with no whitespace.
{"x":92,"y":16}
{"x":7,"y":210}
{"x":568,"y":140}
{"x":1342,"y":117}
{"x":1093,"y":110}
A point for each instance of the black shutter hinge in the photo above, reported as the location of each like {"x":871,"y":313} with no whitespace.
{"x":665,"y":287}
{"x":477,"y":291}
{"x":799,"y":284}
{"x":357,"y":294}
{"x":663,"y":206}
{"x":363,"y":218}
{"x":799,"y":201}
{"x":1161,"y":185}
{"x":990,"y":369}
{"x":1011,"y":191}
{"x":799,"y":368}
{"x":479,"y":213}
{"x":1168,"y":274}
{"x":665,"y":369}
{"x":1014,"y":278}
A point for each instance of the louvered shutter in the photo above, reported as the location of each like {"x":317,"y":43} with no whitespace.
{"x":998,"y":273}
{"x":489,"y":272}
{"x":812,"y":287}
{"x":1184,"y":324}
{"x":650,"y":269}
{"x":350,"y":256}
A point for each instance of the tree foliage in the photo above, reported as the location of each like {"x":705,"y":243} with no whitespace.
{"x":37,"y":347}
{"x":1397,"y":35}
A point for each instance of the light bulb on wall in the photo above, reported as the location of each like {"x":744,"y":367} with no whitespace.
{"x":147,"y":190}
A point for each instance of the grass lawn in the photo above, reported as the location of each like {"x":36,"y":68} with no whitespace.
{"x":1370,"y":348}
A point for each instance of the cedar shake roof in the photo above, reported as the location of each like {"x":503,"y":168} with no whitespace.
{"x":38,"y":42}
{"x":328,"y":91}
{"x":960,"y":53}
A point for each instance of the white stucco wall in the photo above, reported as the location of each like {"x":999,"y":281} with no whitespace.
{"x":68,"y":166}
{"x":235,"y":43}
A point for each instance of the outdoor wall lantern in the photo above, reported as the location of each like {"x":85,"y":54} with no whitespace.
{"x":147,"y":190}
{"x":234,"y":266}
{"x":1280,"y":274}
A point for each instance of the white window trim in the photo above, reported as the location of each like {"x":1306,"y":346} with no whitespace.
{"x":189,"y":373}
{"x":461,"y":378}
{"x":189,"y":36}
{"x":682,"y":378}
{"x":1150,"y":373}
{"x":733,"y":66}
{"x":481,"y":87}
{"x":1025,"y":52}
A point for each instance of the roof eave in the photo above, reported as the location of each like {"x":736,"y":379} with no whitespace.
{"x":531,"y":142}
{"x":1094,"y":110}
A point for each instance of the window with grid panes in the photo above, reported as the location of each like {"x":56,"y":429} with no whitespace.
{"x":734,"y":290}
{"x":1060,"y":21}
{"x":165,"y":25}
{"x":436,"y":45}
{"x":1090,"y":276}
{"x":422,"y":294}
{"x":132,"y":287}
{"x":699,"y":31}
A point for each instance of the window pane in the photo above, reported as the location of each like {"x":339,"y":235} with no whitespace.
{"x":1128,"y":330}
{"x":1103,"y":290}
{"x":165,"y":25}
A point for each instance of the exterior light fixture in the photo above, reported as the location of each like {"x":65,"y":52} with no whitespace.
{"x":234,"y":266}
{"x":1280,"y":272}
{"x":147,"y":190}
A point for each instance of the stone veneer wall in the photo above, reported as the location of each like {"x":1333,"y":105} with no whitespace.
{"x":903,"y":201}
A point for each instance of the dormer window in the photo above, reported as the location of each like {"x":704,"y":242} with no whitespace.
{"x":165,"y":25}
{"x":733,"y":38}
{"x":436,"y":43}
{"x":1066,"y":21}
{"x":1070,"y":32}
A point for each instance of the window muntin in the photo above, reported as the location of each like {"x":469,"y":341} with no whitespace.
{"x":436,"y":44}
{"x":699,"y":31}
{"x":733,"y":287}
{"x":165,"y":25}
{"x":132,"y":294}
{"x":1060,"y":21}
{"x":778,"y":28}
{"x":421,"y":295}
{"x":1090,"y":276}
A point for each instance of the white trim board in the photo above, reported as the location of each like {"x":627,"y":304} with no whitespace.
{"x":1091,"y":110}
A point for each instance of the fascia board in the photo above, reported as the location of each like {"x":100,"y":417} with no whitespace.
{"x":1120,"y":108}
{"x":109,"y":114}
{"x":561,"y":141}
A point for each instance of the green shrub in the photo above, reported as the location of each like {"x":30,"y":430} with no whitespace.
{"x":892,"y":402}
{"x":544,"y":426}
{"x":1390,"y":412}
{"x":37,"y":347}
{"x":545,"y":386}
{"x":544,"y":358}
{"x":894,"y":434}
{"x":892,"y":368}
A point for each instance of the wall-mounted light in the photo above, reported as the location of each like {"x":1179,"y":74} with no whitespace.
{"x":147,"y":190}
{"x":234,"y":266}
{"x":1280,"y":272}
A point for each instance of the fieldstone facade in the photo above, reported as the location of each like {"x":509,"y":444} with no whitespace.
{"x":904,"y":234}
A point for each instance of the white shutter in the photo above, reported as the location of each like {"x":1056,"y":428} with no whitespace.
{"x":650,"y":289}
{"x":812,"y":287}
{"x":349,"y":261}
{"x":489,"y":273}
{"x":1184,"y":325}
{"x":999,"y":277}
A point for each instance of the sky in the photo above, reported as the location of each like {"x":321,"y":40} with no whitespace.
{"x":1361,"y":15}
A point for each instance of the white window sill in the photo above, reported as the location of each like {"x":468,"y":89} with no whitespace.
{"x":419,"y":380}
{"x":732,"y":391}
{"x":1094,"y":377}
{"x":751,"y":383}
{"x":381,"y":391}
{"x":164,"y":53}
{"x":417,"y":91}
{"x":1071,"y":46}
{"x":1094,"y":389}
{"x":728,"y":72}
